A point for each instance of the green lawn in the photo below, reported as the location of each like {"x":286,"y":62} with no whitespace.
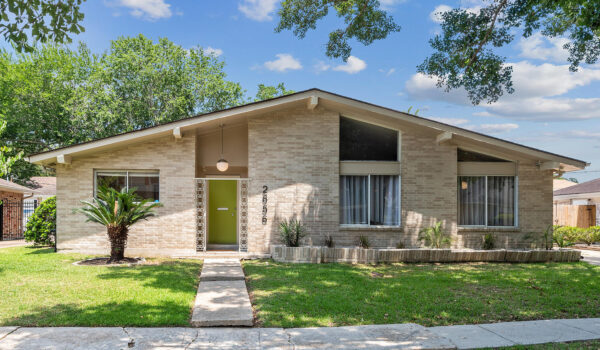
{"x":306,"y":295}
{"x":42,"y":288}
{"x":590,"y":344}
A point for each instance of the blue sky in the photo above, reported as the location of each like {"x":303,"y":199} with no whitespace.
{"x":552,"y":108}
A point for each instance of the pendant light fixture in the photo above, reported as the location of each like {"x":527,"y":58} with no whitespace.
{"x":222,"y":164}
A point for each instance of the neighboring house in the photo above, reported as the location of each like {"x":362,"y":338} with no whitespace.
{"x":559,"y":184}
{"x":44,"y":186}
{"x":583,"y":194}
{"x":344,"y":167}
{"x":11,"y":212}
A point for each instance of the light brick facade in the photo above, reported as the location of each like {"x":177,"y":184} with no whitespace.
{"x":171,"y":232}
{"x":295,"y":153}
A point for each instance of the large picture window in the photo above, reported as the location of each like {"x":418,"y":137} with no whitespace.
{"x":370,"y":200}
{"x":487,"y":200}
{"x":146,"y":183}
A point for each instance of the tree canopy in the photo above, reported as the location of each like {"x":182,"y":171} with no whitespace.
{"x":43,"y":20}
{"x":57,"y":96}
{"x":466,"y":51}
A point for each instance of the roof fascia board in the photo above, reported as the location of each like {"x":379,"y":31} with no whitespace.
{"x":577,"y":195}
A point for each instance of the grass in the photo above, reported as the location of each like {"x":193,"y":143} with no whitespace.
{"x":311,"y":295}
{"x":589,"y":344}
{"x":42,"y":288}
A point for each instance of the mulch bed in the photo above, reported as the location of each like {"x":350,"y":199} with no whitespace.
{"x":104,"y":262}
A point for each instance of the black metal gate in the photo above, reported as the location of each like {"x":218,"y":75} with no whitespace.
{"x":13,"y":218}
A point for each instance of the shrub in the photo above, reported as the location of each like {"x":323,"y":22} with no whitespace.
{"x":400,"y":245}
{"x":561,"y":236}
{"x":363,"y":242}
{"x":42,"y":223}
{"x":291,"y":232}
{"x":489,"y":241}
{"x":589,"y":235}
{"x":329,"y":243}
{"x":434,"y":236}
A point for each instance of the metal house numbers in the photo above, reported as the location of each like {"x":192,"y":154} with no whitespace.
{"x":264,"y":201}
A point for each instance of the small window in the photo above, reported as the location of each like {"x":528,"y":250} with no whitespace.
{"x":364,"y":141}
{"x":145,"y":183}
{"x":487,"y":200}
{"x":370,"y":200}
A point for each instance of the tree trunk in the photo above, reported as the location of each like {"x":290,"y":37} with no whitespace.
{"x":117,"y":235}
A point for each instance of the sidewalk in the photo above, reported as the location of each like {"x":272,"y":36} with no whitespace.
{"x":591,"y":256}
{"x":13,"y":243}
{"x":399,"y":336}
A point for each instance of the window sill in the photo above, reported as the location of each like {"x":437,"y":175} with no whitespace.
{"x":488,"y":229}
{"x":370,"y":228}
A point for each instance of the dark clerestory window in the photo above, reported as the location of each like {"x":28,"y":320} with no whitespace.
{"x":364,"y":141}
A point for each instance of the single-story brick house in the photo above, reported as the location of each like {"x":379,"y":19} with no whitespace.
{"x":11,"y":209}
{"x":344,"y":167}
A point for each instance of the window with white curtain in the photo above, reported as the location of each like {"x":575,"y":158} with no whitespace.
{"x":487,"y":200}
{"x":370,"y":200}
{"x":146,"y":183}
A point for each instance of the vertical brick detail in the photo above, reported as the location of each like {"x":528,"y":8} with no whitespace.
{"x":295,"y":154}
{"x":171,"y":232}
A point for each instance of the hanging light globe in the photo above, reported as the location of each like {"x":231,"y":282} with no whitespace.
{"x":222,"y":165}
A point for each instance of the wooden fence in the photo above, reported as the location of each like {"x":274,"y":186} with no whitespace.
{"x":575,"y":215}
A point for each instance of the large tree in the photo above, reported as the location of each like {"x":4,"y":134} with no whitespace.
{"x":466,"y":52}
{"x":56,"y":96}
{"x":42,"y":20}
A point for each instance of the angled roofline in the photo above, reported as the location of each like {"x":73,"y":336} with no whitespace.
{"x":297,"y":97}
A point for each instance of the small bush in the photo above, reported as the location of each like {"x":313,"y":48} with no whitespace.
{"x":291,"y":232}
{"x":363,"y":242}
{"x":434,"y":236}
{"x":41,"y":223}
{"x":589,"y":235}
{"x":329,"y":243}
{"x":400,"y":245}
{"x":562,"y":237}
{"x":489,"y":241}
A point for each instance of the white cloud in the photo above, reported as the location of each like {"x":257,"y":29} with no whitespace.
{"x":436,"y":14}
{"x":147,"y":9}
{"x":284,"y":62}
{"x":544,"y":48}
{"x":321,"y":66}
{"x":258,"y":10}
{"x":212,"y":51}
{"x":536,"y":97}
{"x":388,"y":72}
{"x":352,"y":66}
{"x":492,"y":128}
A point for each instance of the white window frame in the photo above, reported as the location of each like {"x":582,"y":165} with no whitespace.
{"x":515,"y":204}
{"x":150,"y":173}
{"x":368,"y":224}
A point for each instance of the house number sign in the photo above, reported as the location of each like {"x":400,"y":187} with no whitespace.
{"x":264,"y":201}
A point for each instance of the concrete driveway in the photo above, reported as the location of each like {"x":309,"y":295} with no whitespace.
{"x":591,"y":256}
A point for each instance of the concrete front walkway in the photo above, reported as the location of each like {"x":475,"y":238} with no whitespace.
{"x":399,"y":336}
{"x":222,"y":298}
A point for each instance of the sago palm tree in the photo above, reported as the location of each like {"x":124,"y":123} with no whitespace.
{"x":117,"y":211}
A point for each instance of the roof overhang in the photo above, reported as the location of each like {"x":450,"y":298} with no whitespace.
{"x":577,"y":196}
{"x":310,"y":99}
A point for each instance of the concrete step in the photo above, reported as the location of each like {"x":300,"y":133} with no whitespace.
{"x":222,"y":303}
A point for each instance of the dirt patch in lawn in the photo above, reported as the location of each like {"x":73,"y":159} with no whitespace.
{"x":104,"y":262}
